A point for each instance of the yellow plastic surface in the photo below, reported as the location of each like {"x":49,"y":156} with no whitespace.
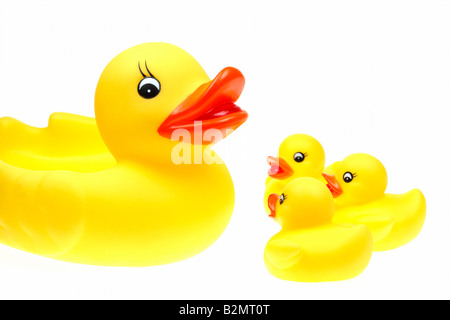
{"x":394,"y":219}
{"x":111,"y":195}
{"x":310,"y":247}
{"x":312,"y":166}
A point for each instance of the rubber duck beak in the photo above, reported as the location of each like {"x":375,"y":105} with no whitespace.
{"x":279,"y":168}
{"x":210,"y":106}
{"x":333,"y":185}
{"x":272,"y":201}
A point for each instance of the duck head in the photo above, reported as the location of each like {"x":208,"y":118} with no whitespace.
{"x":305,"y":202}
{"x":149,"y":91}
{"x":359,"y":178}
{"x":299,"y":155}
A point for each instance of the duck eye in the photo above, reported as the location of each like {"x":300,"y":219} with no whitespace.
{"x":348,"y":177}
{"x":299,"y":157}
{"x":149,"y":88}
{"x":282,"y":198}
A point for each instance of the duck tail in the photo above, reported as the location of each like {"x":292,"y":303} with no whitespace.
{"x":419,"y":206}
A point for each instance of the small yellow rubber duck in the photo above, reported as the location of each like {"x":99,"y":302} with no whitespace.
{"x":299,"y":155}
{"x":126,"y":188}
{"x":310,"y":247}
{"x":358,"y":185}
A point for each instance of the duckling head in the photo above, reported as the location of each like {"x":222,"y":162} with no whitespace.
{"x":149,"y":91}
{"x":305,"y":202}
{"x":360,"y":178}
{"x":299,"y":155}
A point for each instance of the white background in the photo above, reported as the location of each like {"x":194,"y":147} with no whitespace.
{"x":360,"y":76}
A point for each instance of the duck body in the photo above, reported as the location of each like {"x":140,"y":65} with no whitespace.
{"x":326,"y":253}
{"x":123,"y":216}
{"x":394,"y":220}
{"x":358,"y":184}
{"x":310,"y":247}
{"x":139,"y":184}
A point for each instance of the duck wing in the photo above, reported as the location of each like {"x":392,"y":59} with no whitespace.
{"x":283,"y":253}
{"x":380,"y":224}
{"x":40,"y":212}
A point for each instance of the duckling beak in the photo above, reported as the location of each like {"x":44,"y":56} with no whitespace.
{"x":272,"y":201}
{"x":333,"y":185}
{"x":210,"y":106}
{"x":279,"y":168}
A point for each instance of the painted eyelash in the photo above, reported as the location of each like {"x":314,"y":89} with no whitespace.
{"x":139,"y":66}
{"x":148,"y":70}
{"x":146,"y":67}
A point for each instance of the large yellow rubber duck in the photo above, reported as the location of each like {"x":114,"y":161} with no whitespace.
{"x":299,"y":155}
{"x":126,"y":188}
{"x":310,"y":247}
{"x":358,"y":184}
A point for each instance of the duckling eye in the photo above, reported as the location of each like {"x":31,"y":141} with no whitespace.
{"x":282,"y":198}
{"x":348,"y":177}
{"x":149,"y":88}
{"x":299,"y":157}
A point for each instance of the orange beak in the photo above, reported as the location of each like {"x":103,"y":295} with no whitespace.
{"x":210,"y":106}
{"x":279,"y":168}
{"x":272,"y":201}
{"x":333,"y":185}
